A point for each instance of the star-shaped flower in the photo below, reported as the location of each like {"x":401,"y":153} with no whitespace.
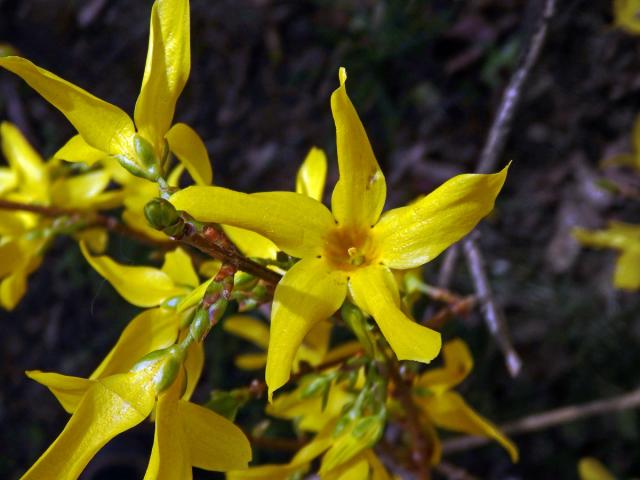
{"x":352,"y":248}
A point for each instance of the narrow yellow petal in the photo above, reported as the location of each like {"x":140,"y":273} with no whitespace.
{"x":357,"y":468}
{"x":250,"y":243}
{"x":458,"y":363}
{"x":249,"y":328}
{"x":413,"y":235}
{"x":31,"y":171}
{"x":315,"y":344}
{"x":214,"y":443}
{"x":187,"y":145}
{"x":11,"y":257}
{"x":374,"y":290}
{"x":68,"y":390}
{"x":627,"y":273}
{"x":14,"y":286}
{"x":625,"y":13}
{"x":109,"y":407}
{"x":80,"y":191}
{"x":312,"y":174}
{"x":102,"y":125}
{"x":450,"y":411}
{"x":95,"y":238}
{"x":193,"y":364}
{"x":377,"y":468}
{"x":251,"y":361}
{"x":150,"y":330}
{"x":590,"y":468}
{"x":193,"y":297}
{"x":169,"y":458}
{"x":308,"y":293}
{"x":296,"y":223}
{"x":178,"y":265}
{"x":140,"y":286}
{"x":617,"y":235}
{"x":77,"y":150}
{"x":8,"y":180}
{"x":359,"y":195}
{"x":166,"y":70}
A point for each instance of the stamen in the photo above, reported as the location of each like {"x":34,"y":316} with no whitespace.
{"x":356,"y":258}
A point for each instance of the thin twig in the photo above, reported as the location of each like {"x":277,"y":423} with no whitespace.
{"x":503,"y":120}
{"x":552,"y":418}
{"x":492,"y":313}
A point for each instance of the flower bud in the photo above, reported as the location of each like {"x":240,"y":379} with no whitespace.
{"x":165,"y":365}
{"x":147,"y":157}
{"x":161,"y":214}
{"x":357,"y":322}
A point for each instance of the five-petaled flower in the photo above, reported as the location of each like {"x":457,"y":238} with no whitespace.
{"x":106,"y":130}
{"x":352,"y":248}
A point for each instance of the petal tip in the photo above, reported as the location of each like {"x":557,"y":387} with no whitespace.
{"x":342,"y":75}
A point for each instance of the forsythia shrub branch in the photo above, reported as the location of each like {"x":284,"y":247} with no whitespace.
{"x":351,"y":267}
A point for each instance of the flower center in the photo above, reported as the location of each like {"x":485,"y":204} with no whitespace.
{"x":348,"y":249}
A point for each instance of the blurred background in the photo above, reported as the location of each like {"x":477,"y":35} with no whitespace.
{"x":426,"y":78}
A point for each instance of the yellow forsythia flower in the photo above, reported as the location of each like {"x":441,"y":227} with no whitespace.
{"x":186,"y":435}
{"x":350,"y":248}
{"x":105,"y":129}
{"x":592,"y":469}
{"x":627,"y":15}
{"x":25,"y":235}
{"x":446,"y":408}
{"x":623,"y":237}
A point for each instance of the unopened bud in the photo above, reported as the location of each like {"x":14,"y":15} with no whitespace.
{"x":147,"y":157}
{"x":165,"y":364}
{"x":357,"y":322}
{"x":161,"y":214}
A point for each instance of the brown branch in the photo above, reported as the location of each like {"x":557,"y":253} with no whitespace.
{"x":491,"y":312}
{"x":552,"y":418}
{"x":503,"y":120}
{"x":92,"y":219}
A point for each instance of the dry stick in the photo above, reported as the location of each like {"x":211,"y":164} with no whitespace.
{"x":540,"y":421}
{"x":491,"y":312}
{"x":94,"y":219}
{"x":493,"y":148}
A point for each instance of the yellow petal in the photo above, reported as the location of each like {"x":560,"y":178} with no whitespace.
{"x":24,"y":161}
{"x":11,"y":257}
{"x":169,"y":458}
{"x":617,"y":235}
{"x":193,"y":297}
{"x":458,"y":363}
{"x":627,"y":273}
{"x":178,"y":265}
{"x":14,"y":286}
{"x":312,"y":174}
{"x":356,"y":468}
{"x":374,"y":290}
{"x":77,"y":150}
{"x":626,"y":15}
{"x":295,"y":223}
{"x":213,"y":441}
{"x":590,"y":468}
{"x":8,"y":180}
{"x":315,"y":344}
{"x":102,"y":125}
{"x":413,"y":235}
{"x":68,"y":390}
{"x":450,"y":411}
{"x":109,"y":407}
{"x":95,"y":238}
{"x":166,"y":70}
{"x":150,"y":330}
{"x":248,"y":328}
{"x":79,"y":192}
{"x":250,"y":243}
{"x":187,"y":145}
{"x":251,"y":361}
{"x":140,"y":286}
{"x":308,"y":293}
{"x":359,"y":195}
{"x":12,"y":224}
{"x":193,"y":364}
{"x":377,"y":468}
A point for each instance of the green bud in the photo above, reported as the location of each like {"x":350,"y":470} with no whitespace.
{"x":317,"y":386}
{"x":161,"y":214}
{"x":200,"y":325}
{"x":134,"y":168}
{"x":357,"y":322}
{"x":147,"y":156}
{"x":244,"y":281}
{"x":369,"y":429}
{"x":167,"y":363}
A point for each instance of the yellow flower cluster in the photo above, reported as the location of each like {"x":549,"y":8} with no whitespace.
{"x":346,"y":258}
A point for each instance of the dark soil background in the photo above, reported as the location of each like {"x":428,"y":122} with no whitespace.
{"x":426,"y":77}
